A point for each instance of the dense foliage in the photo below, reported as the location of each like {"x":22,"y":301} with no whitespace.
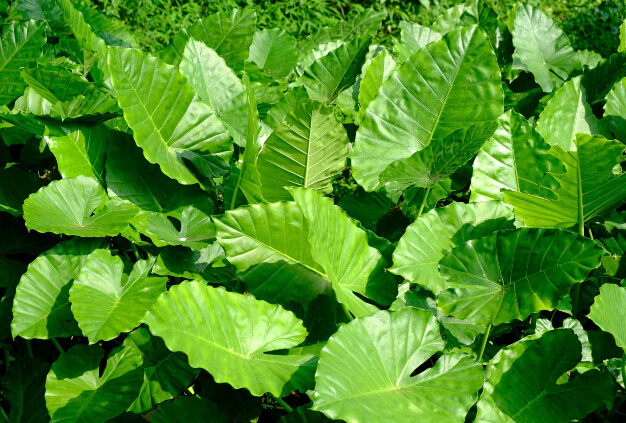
{"x":180,"y":239}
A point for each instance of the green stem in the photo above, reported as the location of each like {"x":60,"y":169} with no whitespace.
{"x":29,"y":349}
{"x":345,"y":310}
{"x":4,"y":415}
{"x":282,"y":403}
{"x":484,"y":343}
{"x":56,"y":344}
{"x":424,"y":202}
{"x":575,"y":293}
{"x":624,"y":369}
{"x":135,"y":251}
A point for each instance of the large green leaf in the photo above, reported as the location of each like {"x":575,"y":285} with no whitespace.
{"x":413,"y":37}
{"x":15,"y":186}
{"x":524,"y":385}
{"x":542,"y":47}
{"x":166,"y":373}
{"x":438,"y":160}
{"x":23,"y":389}
{"x":41,"y":10}
{"x":106,"y":301}
{"x":433,"y":235}
{"x":79,"y":150}
{"x":131,"y":177}
{"x":292,"y":99}
{"x":341,"y":248}
{"x":516,"y":158}
{"x":229,"y":334}
{"x":428,"y":98}
{"x":608,"y":312}
{"x":378,"y":71}
{"x":168,"y":119}
{"x":75,"y":391}
{"x":20,"y":47}
{"x":510,"y":275}
{"x":268,"y":244}
{"x":568,"y":114}
{"x":336,"y":71}
{"x":274,"y":51}
{"x":41,"y":307}
{"x":218,"y":86}
{"x":615,"y":110}
{"x":68,"y":206}
{"x":189,"y":410}
{"x":373,"y":383}
{"x":589,"y":187}
{"x":307,"y":150}
{"x":599,"y":81}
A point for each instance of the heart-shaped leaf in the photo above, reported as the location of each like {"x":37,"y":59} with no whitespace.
{"x":609,"y":312}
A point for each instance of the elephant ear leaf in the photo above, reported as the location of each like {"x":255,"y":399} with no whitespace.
{"x":548,"y":359}
{"x":615,"y":110}
{"x":511,"y":275}
{"x":75,"y":391}
{"x":609,"y":312}
{"x":376,"y":378}
{"x":230,"y":335}
{"x":77,"y":206}
{"x":175,"y":129}
{"x":588,"y":188}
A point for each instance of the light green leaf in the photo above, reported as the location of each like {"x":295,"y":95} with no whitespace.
{"x":510,"y":275}
{"x":107,"y":302}
{"x":336,"y":71}
{"x":306,"y":150}
{"x":615,"y":110}
{"x":428,"y":239}
{"x":542,"y":47}
{"x":396,"y":125}
{"x":378,"y":71}
{"x":218,"y":86}
{"x":20,"y":47}
{"x":516,"y":158}
{"x":75,"y":391}
{"x":274,"y":51}
{"x":511,"y":396}
{"x":589,"y":58}
{"x":166,"y":373}
{"x":608,"y":312}
{"x":169,"y":122}
{"x":373,"y":383}
{"x":568,"y":114}
{"x":589,"y":187}
{"x":293,"y":99}
{"x":413,"y":37}
{"x":66,"y":207}
{"x":229,"y":334}
{"x":41,"y":307}
{"x":15,"y":186}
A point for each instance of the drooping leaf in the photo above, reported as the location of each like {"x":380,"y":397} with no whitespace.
{"x":229,"y":334}
{"x":15,"y":187}
{"x":75,"y":391}
{"x":427,"y":98}
{"x":510,"y":275}
{"x":169,"y":122}
{"x":41,"y":307}
{"x":218,"y":86}
{"x":428,"y":239}
{"x":568,"y":114}
{"x":66,"y":207}
{"x":166,"y":373}
{"x":438,"y":160}
{"x":516,"y":158}
{"x":378,"y":71}
{"x":511,"y":396}
{"x":274,"y":51}
{"x":204,"y":264}
{"x":615,"y":110}
{"x":23,"y":389}
{"x":599,"y":81}
{"x":107,"y":302}
{"x":542,"y":47}
{"x":306,"y":150}
{"x":189,"y":409}
{"x":413,"y":37}
{"x":588,"y":188}
{"x":608,"y":311}
{"x":373,"y":383}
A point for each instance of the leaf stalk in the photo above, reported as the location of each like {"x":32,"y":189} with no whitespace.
{"x":484,"y":343}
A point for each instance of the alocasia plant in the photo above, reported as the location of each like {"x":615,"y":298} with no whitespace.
{"x":250,"y":227}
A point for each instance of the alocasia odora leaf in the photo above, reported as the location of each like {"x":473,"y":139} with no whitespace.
{"x":292,"y":99}
{"x":307,"y":150}
{"x":373,"y":382}
{"x":75,"y":391}
{"x":588,"y":188}
{"x":274,"y":51}
{"x":378,"y":71}
{"x":510,"y":275}
{"x":169,"y":122}
{"x":448,"y":85}
{"x":68,"y":206}
{"x":106,"y":301}
{"x":433,"y":235}
{"x":609,"y":312}
{"x":542,"y":47}
{"x":568,"y":114}
{"x":229,"y":335}
{"x":41,"y":307}
{"x":510,"y":395}
{"x":413,"y":37}
{"x":516,"y":158}
{"x":615,"y":110}
{"x":19,"y":48}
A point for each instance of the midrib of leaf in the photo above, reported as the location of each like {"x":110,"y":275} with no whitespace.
{"x":334,"y":90}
